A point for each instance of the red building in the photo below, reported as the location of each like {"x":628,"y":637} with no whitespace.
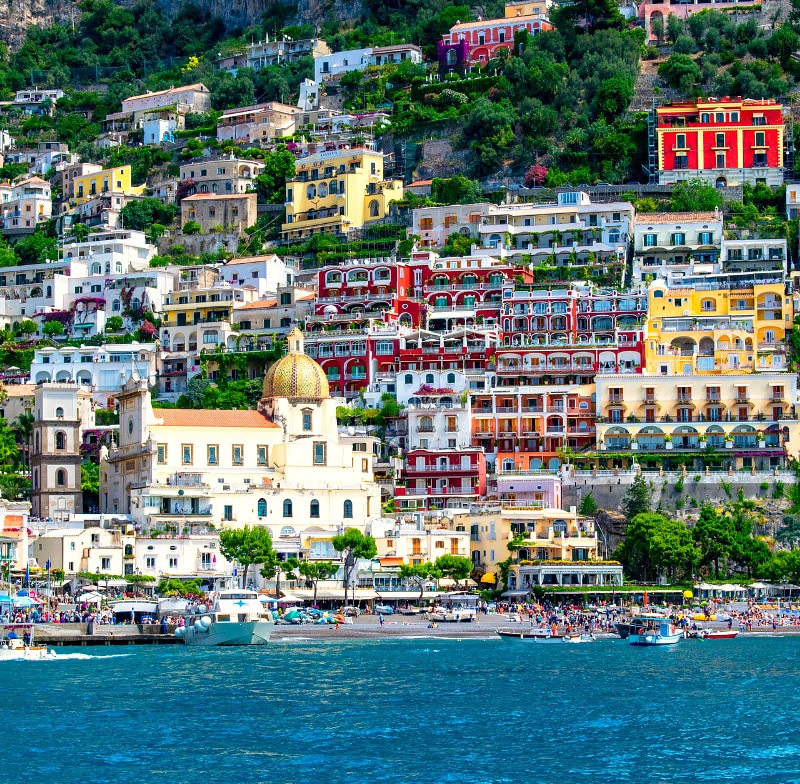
{"x":725,"y":141}
{"x":434,"y":480}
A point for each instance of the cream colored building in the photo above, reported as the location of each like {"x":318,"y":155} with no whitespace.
{"x":90,"y":549}
{"x":749,"y":418}
{"x":416,"y":544}
{"x":282,"y":466}
{"x":188,"y":556}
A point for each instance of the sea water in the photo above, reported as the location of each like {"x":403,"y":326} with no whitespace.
{"x":432,"y":711}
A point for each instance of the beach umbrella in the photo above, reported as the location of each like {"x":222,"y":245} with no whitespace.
{"x":23,"y":601}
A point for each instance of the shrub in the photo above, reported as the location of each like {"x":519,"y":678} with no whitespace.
{"x":778,"y":490}
{"x":765,"y":486}
{"x":192,"y":227}
{"x":697,"y":478}
{"x":726,"y":486}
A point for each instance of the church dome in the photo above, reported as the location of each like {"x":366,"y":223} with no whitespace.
{"x":296,"y":376}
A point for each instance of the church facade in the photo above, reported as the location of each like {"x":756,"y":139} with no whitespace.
{"x":281,"y":466}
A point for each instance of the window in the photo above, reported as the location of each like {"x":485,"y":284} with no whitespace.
{"x":348,"y":509}
{"x":650,"y":240}
{"x":61,"y":477}
{"x":451,"y":378}
{"x":213,"y":454}
{"x":409,"y":379}
{"x":150,"y":562}
{"x":306,"y":421}
{"x":186,"y":450}
{"x":287,"y":508}
{"x":720,"y":139}
{"x":238,"y":451}
{"x":314,"y":510}
{"x":678,"y":238}
{"x":161,"y":450}
{"x":720,"y":160}
{"x":59,"y":413}
{"x":680,"y":141}
{"x":105,"y":564}
{"x":706,"y":238}
{"x":262,"y":507}
{"x":61,"y":440}
{"x":319,"y":453}
{"x":227,"y":512}
{"x":262,"y":455}
{"x":760,"y":138}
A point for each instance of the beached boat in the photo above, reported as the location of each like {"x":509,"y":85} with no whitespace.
{"x":579,"y":638}
{"x":16,"y":644}
{"x":663,"y":633}
{"x":543,"y":635}
{"x":235,"y":617}
{"x":452,"y":615}
{"x":711,"y":634}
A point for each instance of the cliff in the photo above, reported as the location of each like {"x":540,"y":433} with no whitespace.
{"x":17,"y":15}
{"x":241,"y":13}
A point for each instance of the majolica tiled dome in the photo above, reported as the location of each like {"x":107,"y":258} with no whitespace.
{"x":296,"y":376}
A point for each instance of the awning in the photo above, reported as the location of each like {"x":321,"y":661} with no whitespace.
{"x":515,"y":594}
{"x":288,"y":598}
{"x":357,"y":595}
{"x":388,"y":596}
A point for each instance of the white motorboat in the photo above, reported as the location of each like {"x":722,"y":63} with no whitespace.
{"x":16,"y":648}
{"x":235,"y":617}
{"x":579,"y":638}
{"x":539,"y":635}
{"x":452,"y":614}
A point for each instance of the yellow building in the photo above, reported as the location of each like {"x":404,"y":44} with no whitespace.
{"x":701,"y":330}
{"x":116,"y":180}
{"x":747,"y":420}
{"x":337,"y":190}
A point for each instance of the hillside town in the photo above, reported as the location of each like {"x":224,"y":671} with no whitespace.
{"x":280,"y":314}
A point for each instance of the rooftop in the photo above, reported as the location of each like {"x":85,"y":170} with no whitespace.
{"x":196,"y":86}
{"x":190,"y":417}
{"x":676,"y":217}
{"x":218,"y":196}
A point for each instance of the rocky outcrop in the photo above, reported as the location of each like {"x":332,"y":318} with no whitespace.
{"x":17,"y":15}
{"x":240,"y":13}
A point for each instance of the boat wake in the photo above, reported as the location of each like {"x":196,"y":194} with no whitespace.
{"x":84,"y":656}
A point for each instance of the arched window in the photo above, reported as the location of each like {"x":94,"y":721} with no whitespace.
{"x":287,"y":508}
{"x":118,"y":267}
{"x":116,"y":306}
{"x":61,"y":440}
{"x":35,"y":478}
{"x":348,"y":509}
{"x":59,"y":413}
{"x":409,"y":378}
{"x":61,"y":477}
{"x":322,"y":191}
{"x":287,"y":530}
{"x":560,"y":527}
{"x":451,"y":378}
{"x":314,"y":509}
{"x":451,"y":56}
{"x":262,"y":507}
{"x":426,"y":424}
{"x":311,"y":191}
{"x":429,"y":378}
{"x":36,"y":443}
{"x":374,"y":209}
{"x":96,"y":269}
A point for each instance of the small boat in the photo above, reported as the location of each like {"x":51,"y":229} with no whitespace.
{"x":637,"y":623}
{"x":456,"y":614}
{"x":14,"y":648}
{"x":663,"y":633}
{"x":579,"y":638}
{"x":711,"y":634}
{"x":236,"y":617}
{"x":543,"y":635}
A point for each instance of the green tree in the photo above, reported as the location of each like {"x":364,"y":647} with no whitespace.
{"x":27,"y":327}
{"x":672,"y":548}
{"x":192,"y":227}
{"x":695,"y":196}
{"x":680,"y":71}
{"x":142,"y":214}
{"x":456,"y":567}
{"x":37,"y":248}
{"x":314,"y":571}
{"x":789,"y":532}
{"x":420,"y":574}
{"x":614,"y":96}
{"x":456,"y":190}
{"x":274,"y":568}
{"x":114,"y":323}
{"x":23,"y":427}
{"x":248,"y":546}
{"x":90,"y":478}
{"x":715,"y":535}
{"x":588,"y":507}
{"x":278,"y":168}
{"x":352,"y":545}
{"x":636,"y":500}
{"x":53,"y":329}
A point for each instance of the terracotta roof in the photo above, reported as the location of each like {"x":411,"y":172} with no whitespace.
{"x":419,"y":183}
{"x":20,"y":390}
{"x":190,"y":417}
{"x":218,"y":196}
{"x":499,"y":22}
{"x":33,"y":181}
{"x":262,"y":303}
{"x":196,"y":86}
{"x":676,"y":217}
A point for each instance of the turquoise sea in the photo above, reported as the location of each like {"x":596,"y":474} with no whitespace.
{"x":424,"y":710}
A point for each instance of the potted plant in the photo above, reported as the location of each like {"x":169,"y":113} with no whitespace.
{"x":634,"y":443}
{"x":762,"y":439}
{"x":728,"y":441}
{"x":668,"y":441}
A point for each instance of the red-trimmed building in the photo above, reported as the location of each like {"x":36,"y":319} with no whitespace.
{"x":435,"y":480}
{"x":725,"y":141}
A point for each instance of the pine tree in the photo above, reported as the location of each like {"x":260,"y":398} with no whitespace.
{"x":637,"y":498}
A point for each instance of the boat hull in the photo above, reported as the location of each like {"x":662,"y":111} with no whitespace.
{"x":540,"y":639}
{"x":238,"y":633}
{"x":32,"y":653}
{"x":655,"y":639}
{"x":722,"y":634}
